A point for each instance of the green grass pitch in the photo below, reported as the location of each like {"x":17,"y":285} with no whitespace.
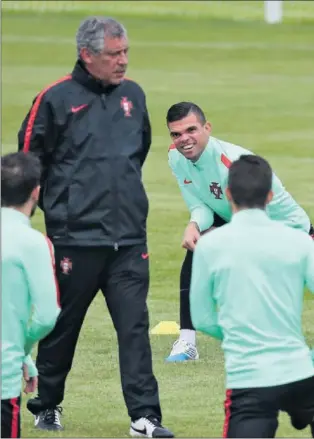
{"x":256,"y":84}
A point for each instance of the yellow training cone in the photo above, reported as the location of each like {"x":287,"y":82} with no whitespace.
{"x":165,"y":328}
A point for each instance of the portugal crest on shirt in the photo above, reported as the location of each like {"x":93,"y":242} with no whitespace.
{"x":126,"y":106}
{"x":216,"y":190}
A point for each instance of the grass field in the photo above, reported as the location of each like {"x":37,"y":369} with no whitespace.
{"x":256,"y":84}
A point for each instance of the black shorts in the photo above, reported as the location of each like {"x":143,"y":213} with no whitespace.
{"x":10,"y":417}
{"x":253,"y":413}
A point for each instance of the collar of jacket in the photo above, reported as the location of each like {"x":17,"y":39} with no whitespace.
{"x":206,"y":156}
{"x":251,"y":216}
{"x":81,"y":75}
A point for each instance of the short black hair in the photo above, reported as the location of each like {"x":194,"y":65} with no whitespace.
{"x":183,"y":109}
{"x":250,"y":181}
{"x":20,"y":175}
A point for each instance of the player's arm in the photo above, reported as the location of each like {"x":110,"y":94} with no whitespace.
{"x":200,"y":214}
{"x":39,"y":270}
{"x":309,"y":269}
{"x":203,"y":306}
{"x":285,"y":209}
{"x":32,"y":369}
{"x":309,"y":272}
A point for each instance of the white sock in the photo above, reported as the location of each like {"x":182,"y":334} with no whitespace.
{"x":188,"y":335}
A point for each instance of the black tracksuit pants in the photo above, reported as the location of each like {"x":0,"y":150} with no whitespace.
{"x":253,"y":413}
{"x":185,"y":281}
{"x":123,"y":278}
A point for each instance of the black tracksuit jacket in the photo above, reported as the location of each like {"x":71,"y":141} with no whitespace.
{"x":92,"y":142}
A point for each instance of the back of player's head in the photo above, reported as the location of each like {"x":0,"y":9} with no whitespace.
{"x":250,"y":181}
{"x":20,"y":175}
{"x":183,"y":109}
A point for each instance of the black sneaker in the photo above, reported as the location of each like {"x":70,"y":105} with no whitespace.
{"x":148,"y":427}
{"x":49,"y":419}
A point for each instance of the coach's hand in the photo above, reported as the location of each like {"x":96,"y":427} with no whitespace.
{"x":31,"y":382}
{"x":191,"y":236}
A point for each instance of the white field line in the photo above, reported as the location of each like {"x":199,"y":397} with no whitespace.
{"x":226,"y":45}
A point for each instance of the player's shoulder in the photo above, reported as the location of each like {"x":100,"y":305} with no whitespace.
{"x":174,"y":157}
{"x":36,"y":241}
{"x":172,"y":150}
{"x":298,"y":238}
{"x":228,"y":152}
{"x":24,"y":243}
{"x":217,"y":238}
{"x":295,"y":233}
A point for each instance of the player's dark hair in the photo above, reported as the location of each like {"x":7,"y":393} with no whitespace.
{"x":20,"y":175}
{"x":249,"y":181}
{"x":182,"y":110}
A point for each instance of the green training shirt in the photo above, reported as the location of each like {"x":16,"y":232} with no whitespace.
{"x":29,"y":297}
{"x":203,"y":184}
{"x":247,"y":289}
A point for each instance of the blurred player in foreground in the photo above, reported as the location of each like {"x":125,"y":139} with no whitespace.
{"x":247,"y":290}
{"x":29,"y":293}
{"x":201,"y":165}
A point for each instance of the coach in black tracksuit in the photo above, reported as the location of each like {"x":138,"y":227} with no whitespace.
{"x":92,"y":133}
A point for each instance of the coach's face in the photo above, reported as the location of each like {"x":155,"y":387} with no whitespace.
{"x":190,"y":136}
{"x":111,"y":63}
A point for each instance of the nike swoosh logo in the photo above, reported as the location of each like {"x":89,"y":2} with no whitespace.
{"x":76,"y":109}
{"x":187,"y":181}
{"x":143,"y":431}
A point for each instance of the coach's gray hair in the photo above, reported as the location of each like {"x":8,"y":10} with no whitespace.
{"x":92,"y":32}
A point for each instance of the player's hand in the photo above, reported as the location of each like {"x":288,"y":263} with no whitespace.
{"x":191,"y":236}
{"x":31,"y":382}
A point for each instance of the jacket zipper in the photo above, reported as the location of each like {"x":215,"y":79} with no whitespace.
{"x":103,"y":98}
{"x":115,"y":245}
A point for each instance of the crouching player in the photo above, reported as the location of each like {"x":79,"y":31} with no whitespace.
{"x":200,"y":163}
